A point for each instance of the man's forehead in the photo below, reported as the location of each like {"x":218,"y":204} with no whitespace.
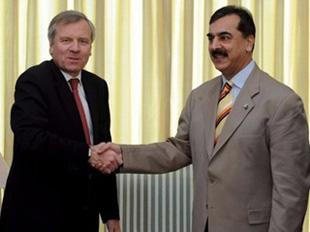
{"x":226,"y":24}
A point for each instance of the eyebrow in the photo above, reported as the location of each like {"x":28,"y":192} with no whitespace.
{"x":210,"y":35}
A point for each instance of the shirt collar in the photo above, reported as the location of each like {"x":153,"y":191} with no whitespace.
{"x":240,"y":78}
{"x":68,"y":77}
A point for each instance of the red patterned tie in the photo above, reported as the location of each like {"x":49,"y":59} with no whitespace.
{"x":74,"y":86}
{"x":224,"y":107}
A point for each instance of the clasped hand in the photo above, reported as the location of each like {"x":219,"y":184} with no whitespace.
{"x":106,"y":157}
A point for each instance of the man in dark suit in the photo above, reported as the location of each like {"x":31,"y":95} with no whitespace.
{"x":251,"y":173}
{"x":51,"y":186}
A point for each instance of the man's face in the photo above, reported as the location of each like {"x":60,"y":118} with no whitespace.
{"x":71,"y":46}
{"x":230,"y":52}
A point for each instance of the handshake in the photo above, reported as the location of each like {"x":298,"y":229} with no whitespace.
{"x":106,"y":157}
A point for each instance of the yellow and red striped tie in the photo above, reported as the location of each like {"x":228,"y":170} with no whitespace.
{"x":224,"y":107}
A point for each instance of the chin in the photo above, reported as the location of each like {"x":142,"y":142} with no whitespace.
{"x":74,"y":68}
{"x":220,"y":68}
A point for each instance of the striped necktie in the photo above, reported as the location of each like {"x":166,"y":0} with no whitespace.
{"x":224,"y":107}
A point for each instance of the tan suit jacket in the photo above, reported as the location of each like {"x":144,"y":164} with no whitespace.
{"x":256,"y":179}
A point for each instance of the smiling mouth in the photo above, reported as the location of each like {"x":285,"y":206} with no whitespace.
{"x":73,"y":59}
{"x":218,"y":56}
{"x":218,"y":53}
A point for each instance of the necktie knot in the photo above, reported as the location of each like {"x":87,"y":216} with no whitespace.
{"x":74,"y":83}
{"x":226,"y":90}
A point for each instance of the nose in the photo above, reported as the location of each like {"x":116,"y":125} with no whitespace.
{"x":214,"y":43}
{"x":75,"y":46}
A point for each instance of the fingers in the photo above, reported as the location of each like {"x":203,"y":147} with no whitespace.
{"x":109,"y":161}
{"x":106,"y":157}
{"x":99,"y":148}
{"x":102,"y":147}
{"x":113,"y":225}
{"x":114,"y":147}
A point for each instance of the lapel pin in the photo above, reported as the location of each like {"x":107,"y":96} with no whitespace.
{"x":245,"y":106}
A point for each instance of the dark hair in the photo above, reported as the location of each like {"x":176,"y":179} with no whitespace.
{"x":66,"y":17}
{"x":246,"y":24}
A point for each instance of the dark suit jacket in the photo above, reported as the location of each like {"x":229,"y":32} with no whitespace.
{"x":256,"y":178}
{"x":51,"y":187}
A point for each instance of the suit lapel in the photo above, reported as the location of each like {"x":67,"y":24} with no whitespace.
{"x":65,"y":96}
{"x":92,"y":100}
{"x":67,"y":101}
{"x":242,"y":107}
{"x":209,"y":108}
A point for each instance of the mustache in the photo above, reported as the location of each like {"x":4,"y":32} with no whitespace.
{"x":218,"y":51}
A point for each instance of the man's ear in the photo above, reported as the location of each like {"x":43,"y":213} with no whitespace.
{"x":250,"y":43}
{"x":51,"y":50}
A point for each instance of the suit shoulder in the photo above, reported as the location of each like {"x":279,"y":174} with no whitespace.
{"x":271,"y":93}
{"x":206,"y":86}
{"x":43,"y":67}
{"x":37,"y":72}
{"x":274,"y":87}
{"x":94,"y":78}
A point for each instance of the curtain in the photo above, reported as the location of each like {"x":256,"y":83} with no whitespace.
{"x":152,"y":53}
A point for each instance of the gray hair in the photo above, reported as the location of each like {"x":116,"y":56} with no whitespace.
{"x":66,"y":17}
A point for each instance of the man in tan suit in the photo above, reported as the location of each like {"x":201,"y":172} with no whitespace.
{"x":254,"y":176}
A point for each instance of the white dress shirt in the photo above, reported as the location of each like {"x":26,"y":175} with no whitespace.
{"x":239,"y":79}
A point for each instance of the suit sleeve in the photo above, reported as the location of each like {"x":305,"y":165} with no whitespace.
{"x":33,"y":138}
{"x":107,"y":191}
{"x":106,"y":185}
{"x":290,"y":157}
